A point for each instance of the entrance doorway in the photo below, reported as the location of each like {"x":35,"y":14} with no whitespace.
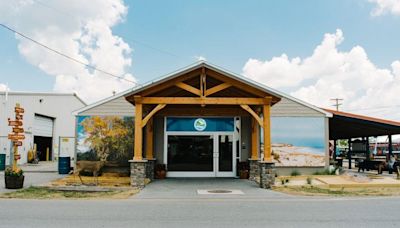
{"x":43,"y":144}
{"x":201,"y":155}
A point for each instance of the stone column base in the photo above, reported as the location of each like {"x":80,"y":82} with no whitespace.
{"x":267,"y":174}
{"x":138,"y":173}
{"x":254,"y":171}
{"x":150,"y":168}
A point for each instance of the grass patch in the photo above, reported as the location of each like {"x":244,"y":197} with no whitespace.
{"x":317,"y":191}
{"x":294,"y":173}
{"x":45,"y":193}
{"x":325,"y":172}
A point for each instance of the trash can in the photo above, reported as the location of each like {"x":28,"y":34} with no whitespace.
{"x":64,"y":165}
{"x":2,"y":162}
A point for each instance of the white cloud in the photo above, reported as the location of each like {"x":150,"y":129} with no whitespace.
{"x":200,"y":58}
{"x":385,"y":6}
{"x":330,"y":73}
{"x":79,"y":31}
{"x":3,"y":87}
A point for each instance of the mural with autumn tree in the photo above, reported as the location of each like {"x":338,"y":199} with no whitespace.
{"x":105,"y":138}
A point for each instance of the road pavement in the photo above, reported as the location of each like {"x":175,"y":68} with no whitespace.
{"x":204,"y":212}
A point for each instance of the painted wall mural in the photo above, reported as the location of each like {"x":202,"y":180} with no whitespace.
{"x":298,"y":141}
{"x":107,"y":138}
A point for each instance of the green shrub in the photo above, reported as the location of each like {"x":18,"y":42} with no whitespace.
{"x":309,"y":180}
{"x":294,"y":173}
{"x":10,"y":172}
{"x":325,"y":172}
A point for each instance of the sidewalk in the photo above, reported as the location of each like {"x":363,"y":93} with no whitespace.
{"x":43,"y":166}
{"x":35,"y":174}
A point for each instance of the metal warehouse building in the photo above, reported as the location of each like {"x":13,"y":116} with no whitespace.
{"x":48,"y":123}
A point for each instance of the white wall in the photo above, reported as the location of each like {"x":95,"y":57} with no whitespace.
{"x":57,"y":106}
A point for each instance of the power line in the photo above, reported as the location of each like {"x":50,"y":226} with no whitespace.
{"x":134,"y":40}
{"x":66,"y":56}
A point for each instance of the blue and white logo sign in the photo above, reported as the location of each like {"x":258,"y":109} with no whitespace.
{"x":200,"y":124}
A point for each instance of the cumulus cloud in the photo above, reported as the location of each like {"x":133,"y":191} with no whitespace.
{"x":330,"y":73}
{"x":385,"y":6}
{"x":82,"y":32}
{"x":3,"y":87}
{"x":200,"y":58}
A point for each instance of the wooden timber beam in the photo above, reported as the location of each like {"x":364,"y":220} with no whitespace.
{"x":217,"y":88}
{"x":149,"y":140}
{"x":154,"y":111}
{"x":236,"y":83}
{"x":267,"y":133}
{"x":254,"y":114}
{"x":202,"y":82}
{"x":138,"y":132}
{"x":188,"y":88}
{"x":255,"y":134}
{"x":207,"y":100}
{"x":170,"y":83}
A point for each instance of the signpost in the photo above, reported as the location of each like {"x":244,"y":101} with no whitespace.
{"x":17,"y":134}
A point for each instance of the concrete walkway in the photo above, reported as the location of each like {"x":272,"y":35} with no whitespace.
{"x":43,"y":166}
{"x":187,"y":188}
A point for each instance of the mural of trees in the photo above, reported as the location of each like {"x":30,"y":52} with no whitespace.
{"x":106,"y":138}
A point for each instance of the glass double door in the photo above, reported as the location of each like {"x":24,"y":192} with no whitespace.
{"x":206,"y":155}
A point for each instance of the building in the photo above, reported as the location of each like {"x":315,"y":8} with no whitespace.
{"x":204,"y":121}
{"x":48,"y":123}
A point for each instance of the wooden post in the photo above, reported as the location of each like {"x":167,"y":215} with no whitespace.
{"x":15,"y":165}
{"x":138,"y":132}
{"x":149,"y":140}
{"x":267,"y":132}
{"x":255,"y":132}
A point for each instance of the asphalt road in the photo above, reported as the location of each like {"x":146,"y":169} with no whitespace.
{"x":211,"y":212}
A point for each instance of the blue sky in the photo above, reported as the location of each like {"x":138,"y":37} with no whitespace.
{"x":167,"y":35}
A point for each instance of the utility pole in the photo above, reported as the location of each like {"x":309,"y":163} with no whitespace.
{"x":337,"y":103}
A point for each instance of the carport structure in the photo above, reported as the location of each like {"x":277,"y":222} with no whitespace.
{"x":350,"y":126}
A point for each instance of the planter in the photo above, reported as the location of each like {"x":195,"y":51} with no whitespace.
{"x":14,"y":182}
{"x":244,"y":174}
{"x":161,"y":174}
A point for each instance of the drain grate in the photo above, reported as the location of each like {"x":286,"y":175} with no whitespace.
{"x":219,"y":191}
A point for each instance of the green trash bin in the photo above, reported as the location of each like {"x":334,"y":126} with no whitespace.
{"x":2,"y":162}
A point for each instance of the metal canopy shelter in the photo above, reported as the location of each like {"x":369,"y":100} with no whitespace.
{"x":345,"y":125}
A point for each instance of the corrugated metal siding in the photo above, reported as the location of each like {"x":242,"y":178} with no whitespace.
{"x":43,"y":126}
{"x":118,"y":107}
{"x":287,"y":107}
{"x":59,"y":107}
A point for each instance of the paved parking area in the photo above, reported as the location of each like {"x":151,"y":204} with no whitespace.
{"x":186,"y":188}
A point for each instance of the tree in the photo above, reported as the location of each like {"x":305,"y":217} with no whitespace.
{"x":111,"y":137}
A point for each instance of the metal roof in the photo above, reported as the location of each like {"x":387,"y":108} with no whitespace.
{"x":195,"y":66}
{"x":29,"y":93}
{"x":344,"y":125}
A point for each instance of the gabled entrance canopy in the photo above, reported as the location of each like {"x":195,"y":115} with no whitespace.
{"x":202,"y":90}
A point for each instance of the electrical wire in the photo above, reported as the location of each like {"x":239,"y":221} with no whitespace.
{"x":66,"y":56}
